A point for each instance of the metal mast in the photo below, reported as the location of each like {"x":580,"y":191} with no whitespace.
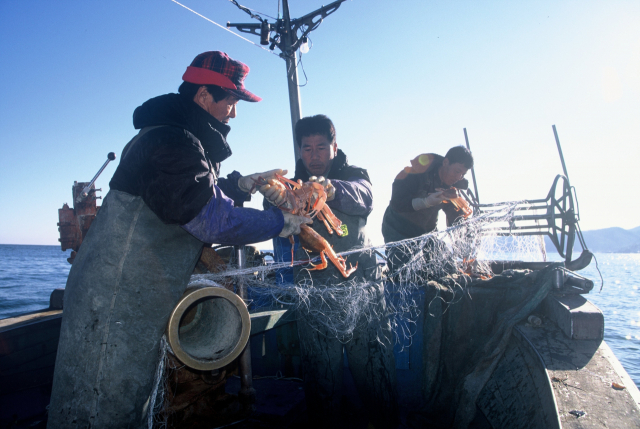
{"x":288,"y":39}
{"x":284,"y":34}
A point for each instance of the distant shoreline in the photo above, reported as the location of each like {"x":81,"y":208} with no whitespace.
{"x":607,"y":240}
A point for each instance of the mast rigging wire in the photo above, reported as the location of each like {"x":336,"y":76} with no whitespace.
{"x":249,"y":11}
{"x":225,"y":28}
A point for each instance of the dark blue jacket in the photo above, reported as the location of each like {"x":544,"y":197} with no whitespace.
{"x":353,"y":197}
{"x":175,"y":169}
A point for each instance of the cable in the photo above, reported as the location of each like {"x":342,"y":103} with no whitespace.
{"x":225,"y":28}
{"x":249,"y":11}
{"x":300,"y":59}
{"x":598,"y":268}
{"x":306,"y":79}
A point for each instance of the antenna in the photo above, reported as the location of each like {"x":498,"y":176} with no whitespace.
{"x":564,"y":167}
{"x":473,"y":172}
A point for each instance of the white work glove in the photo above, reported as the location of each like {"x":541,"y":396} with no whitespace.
{"x":428,"y":201}
{"x":248,"y":183}
{"x":292,"y":224}
{"x":328,"y":187}
{"x":434,"y":199}
{"x":274,"y":191}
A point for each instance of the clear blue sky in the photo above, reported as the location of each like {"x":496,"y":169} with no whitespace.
{"x":398,"y":78}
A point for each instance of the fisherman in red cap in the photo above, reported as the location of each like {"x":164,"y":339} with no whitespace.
{"x":166,"y":200}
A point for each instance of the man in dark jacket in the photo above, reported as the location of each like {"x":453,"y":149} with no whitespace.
{"x":369,"y":351}
{"x":166,"y":200}
{"x":418,"y":195}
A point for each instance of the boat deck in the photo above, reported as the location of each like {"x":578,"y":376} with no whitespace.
{"x":554,"y":374}
{"x":581,"y":374}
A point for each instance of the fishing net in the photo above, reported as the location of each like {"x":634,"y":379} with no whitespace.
{"x":182,"y":397}
{"x":466,"y":248}
{"x":427,"y":274}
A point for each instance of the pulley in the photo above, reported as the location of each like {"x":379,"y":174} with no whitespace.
{"x":555,"y":216}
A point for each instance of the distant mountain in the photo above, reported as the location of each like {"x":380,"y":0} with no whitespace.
{"x":636,"y":230}
{"x":607,"y":240}
{"x":634,"y":248}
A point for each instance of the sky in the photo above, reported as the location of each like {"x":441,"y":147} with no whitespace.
{"x":398,"y":78}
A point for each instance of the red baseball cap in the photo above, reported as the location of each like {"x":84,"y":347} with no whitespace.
{"x":216,"y":68}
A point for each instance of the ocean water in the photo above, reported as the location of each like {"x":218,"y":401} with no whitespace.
{"x":28,"y":274}
{"x":619,"y":300}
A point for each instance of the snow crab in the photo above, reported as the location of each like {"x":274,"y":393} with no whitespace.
{"x":471,"y":268}
{"x":308,"y":199}
{"x":458,"y":201}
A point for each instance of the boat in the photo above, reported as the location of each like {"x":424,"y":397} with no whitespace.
{"x":548,"y":365}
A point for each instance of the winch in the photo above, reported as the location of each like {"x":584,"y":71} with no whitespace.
{"x":75,"y":222}
{"x":555,"y":216}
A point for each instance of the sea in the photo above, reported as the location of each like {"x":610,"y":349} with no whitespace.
{"x":28,"y":274}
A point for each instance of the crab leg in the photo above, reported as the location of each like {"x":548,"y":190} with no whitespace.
{"x":332,"y":220}
{"x":326,"y":224}
{"x":322,"y":265}
{"x":314,"y":241}
{"x":293,"y":246}
{"x":293,"y":183}
{"x":460,"y":204}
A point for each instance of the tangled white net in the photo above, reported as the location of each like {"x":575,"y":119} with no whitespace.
{"x":452,"y":257}
{"x":466,"y":249}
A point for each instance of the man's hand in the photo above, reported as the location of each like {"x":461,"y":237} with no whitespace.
{"x":450,"y":193}
{"x":428,"y":201}
{"x":274,"y":191}
{"x":328,"y":187}
{"x":435,"y":198}
{"x":292,"y":224}
{"x":248,"y":183}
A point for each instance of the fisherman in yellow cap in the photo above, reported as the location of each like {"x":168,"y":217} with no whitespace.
{"x":419,"y":193}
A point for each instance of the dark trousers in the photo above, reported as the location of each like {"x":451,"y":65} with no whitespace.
{"x":372,"y":364}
